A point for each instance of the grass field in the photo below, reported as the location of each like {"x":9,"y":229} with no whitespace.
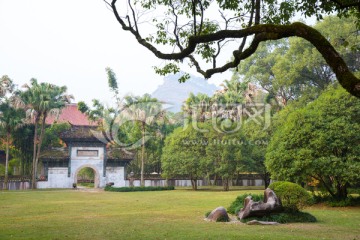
{"x":71,"y":214}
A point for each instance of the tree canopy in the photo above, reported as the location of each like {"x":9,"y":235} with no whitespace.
{"x":319,"y":141}
{"x":201,"y":30}
{"x":287,"y":69}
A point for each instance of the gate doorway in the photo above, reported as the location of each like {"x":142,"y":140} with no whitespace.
{"x":87,"y":177}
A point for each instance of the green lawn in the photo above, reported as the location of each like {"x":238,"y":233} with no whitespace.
{"x":71,"y":214}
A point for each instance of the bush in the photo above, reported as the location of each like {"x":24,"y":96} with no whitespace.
{"x":293,"y":197}
{"x":330,"y":201}
{"x":239,"y":202}
{"x":285,"y":217}
{"x":137,"y":189}
{"x":207,"y":214}
{"x":354,"y":191}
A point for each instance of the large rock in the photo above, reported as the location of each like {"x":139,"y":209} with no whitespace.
{"x":271,"y":204}
{"x":218,"y":215}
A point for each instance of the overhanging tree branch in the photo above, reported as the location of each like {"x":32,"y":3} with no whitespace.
{"x":261,"y":33}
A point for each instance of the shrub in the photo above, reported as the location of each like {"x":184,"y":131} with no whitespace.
{"x":354,"y":191}
{"x":239,"y":202}
{"x":293,"y":197}
{"x":320,"y":197}
{"x":137,"y":189}
{"x":285,"y":217}
{"x":207,"y":214}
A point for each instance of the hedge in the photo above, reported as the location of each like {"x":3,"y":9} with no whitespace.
{"x":137,"y":189}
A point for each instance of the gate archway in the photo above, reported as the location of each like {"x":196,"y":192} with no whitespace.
{"x":96,"y":174}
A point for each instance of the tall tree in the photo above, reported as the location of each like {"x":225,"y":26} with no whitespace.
{"x":224,"y":154}
{"x":184,"y":154}
{"x":186,"y":32}
{"x":10,"y":119}
{"x":320,"y":141}
{"x":42,"y":100}
{"x":145,"y":110}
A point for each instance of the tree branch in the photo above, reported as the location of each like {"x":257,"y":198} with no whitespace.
{"x":344,"y":5}
{"x":262,"y":32}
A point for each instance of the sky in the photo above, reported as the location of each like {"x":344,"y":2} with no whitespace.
{"x":71,"y":42}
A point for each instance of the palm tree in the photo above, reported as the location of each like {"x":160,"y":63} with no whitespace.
{"x":197,"y":106}
{"x":42,"y":100}
{"x":10,"y":119}
{"x":6,"y":86}
{"x":145,"y":110}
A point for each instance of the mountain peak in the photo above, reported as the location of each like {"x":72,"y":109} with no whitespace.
{"x":175,"y":93}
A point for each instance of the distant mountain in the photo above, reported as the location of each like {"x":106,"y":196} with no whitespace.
{"x":175,"y":93}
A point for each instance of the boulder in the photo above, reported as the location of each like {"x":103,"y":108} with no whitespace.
{"x":219,"y":214}
{"x":271,"y":204}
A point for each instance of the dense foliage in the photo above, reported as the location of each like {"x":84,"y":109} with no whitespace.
{"x":320,"y":141}
{"x":285,"y":217}
{"x":184,"y":154}
{"x":292,"y":196}
{"x":137,"y":189}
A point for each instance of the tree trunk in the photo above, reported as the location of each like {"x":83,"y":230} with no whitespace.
{"x":40,"y":143}
{"x":194,"y":184}
{"x":226,"y":184}
{"x":6,"y":187}
{"x":215,"y":179}
{"x":237,"y":179}
{"x":266,"y":180}
{"x":341,"y":191}
{"x":142,"y":182}
{"x":209,"y":179}
{"x":33,"y":172}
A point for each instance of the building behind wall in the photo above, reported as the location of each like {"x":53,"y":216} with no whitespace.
{"x":60,"y":166}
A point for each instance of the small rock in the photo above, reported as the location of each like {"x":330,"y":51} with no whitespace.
{"x":218,"y":215}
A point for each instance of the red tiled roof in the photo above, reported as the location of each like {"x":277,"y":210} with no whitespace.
{"x":71,"y":114}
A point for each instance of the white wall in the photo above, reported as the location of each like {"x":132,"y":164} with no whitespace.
{"x":58,"y":177}
{"x":115,"y":175}
{"x":79,"y":162}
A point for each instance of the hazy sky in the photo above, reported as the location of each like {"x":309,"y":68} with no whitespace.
{"x":70,"y":42}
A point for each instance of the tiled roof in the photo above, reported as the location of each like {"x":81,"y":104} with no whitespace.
{"x":79,"y":133}
{"x":55,"y":153}
{"x":118,"y":153}
{"x":71,"y":114}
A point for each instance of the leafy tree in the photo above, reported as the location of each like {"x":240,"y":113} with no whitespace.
{"x":52,"y":133}
{"x":144,"y":110}
{"x":10,"y":119}
{"x":184,"y":155}
{"x":224,"y":153}
{"x":23,"y":138}
{"x":197,"y":106}
{"x":41,"y":100}
{"x":86,"y":173}
{"x":321,"y":141}
{"x":261,"y":69}
{"x":187,"y":32}
{"x":289,"y":68}
{"x":256,"y":141}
